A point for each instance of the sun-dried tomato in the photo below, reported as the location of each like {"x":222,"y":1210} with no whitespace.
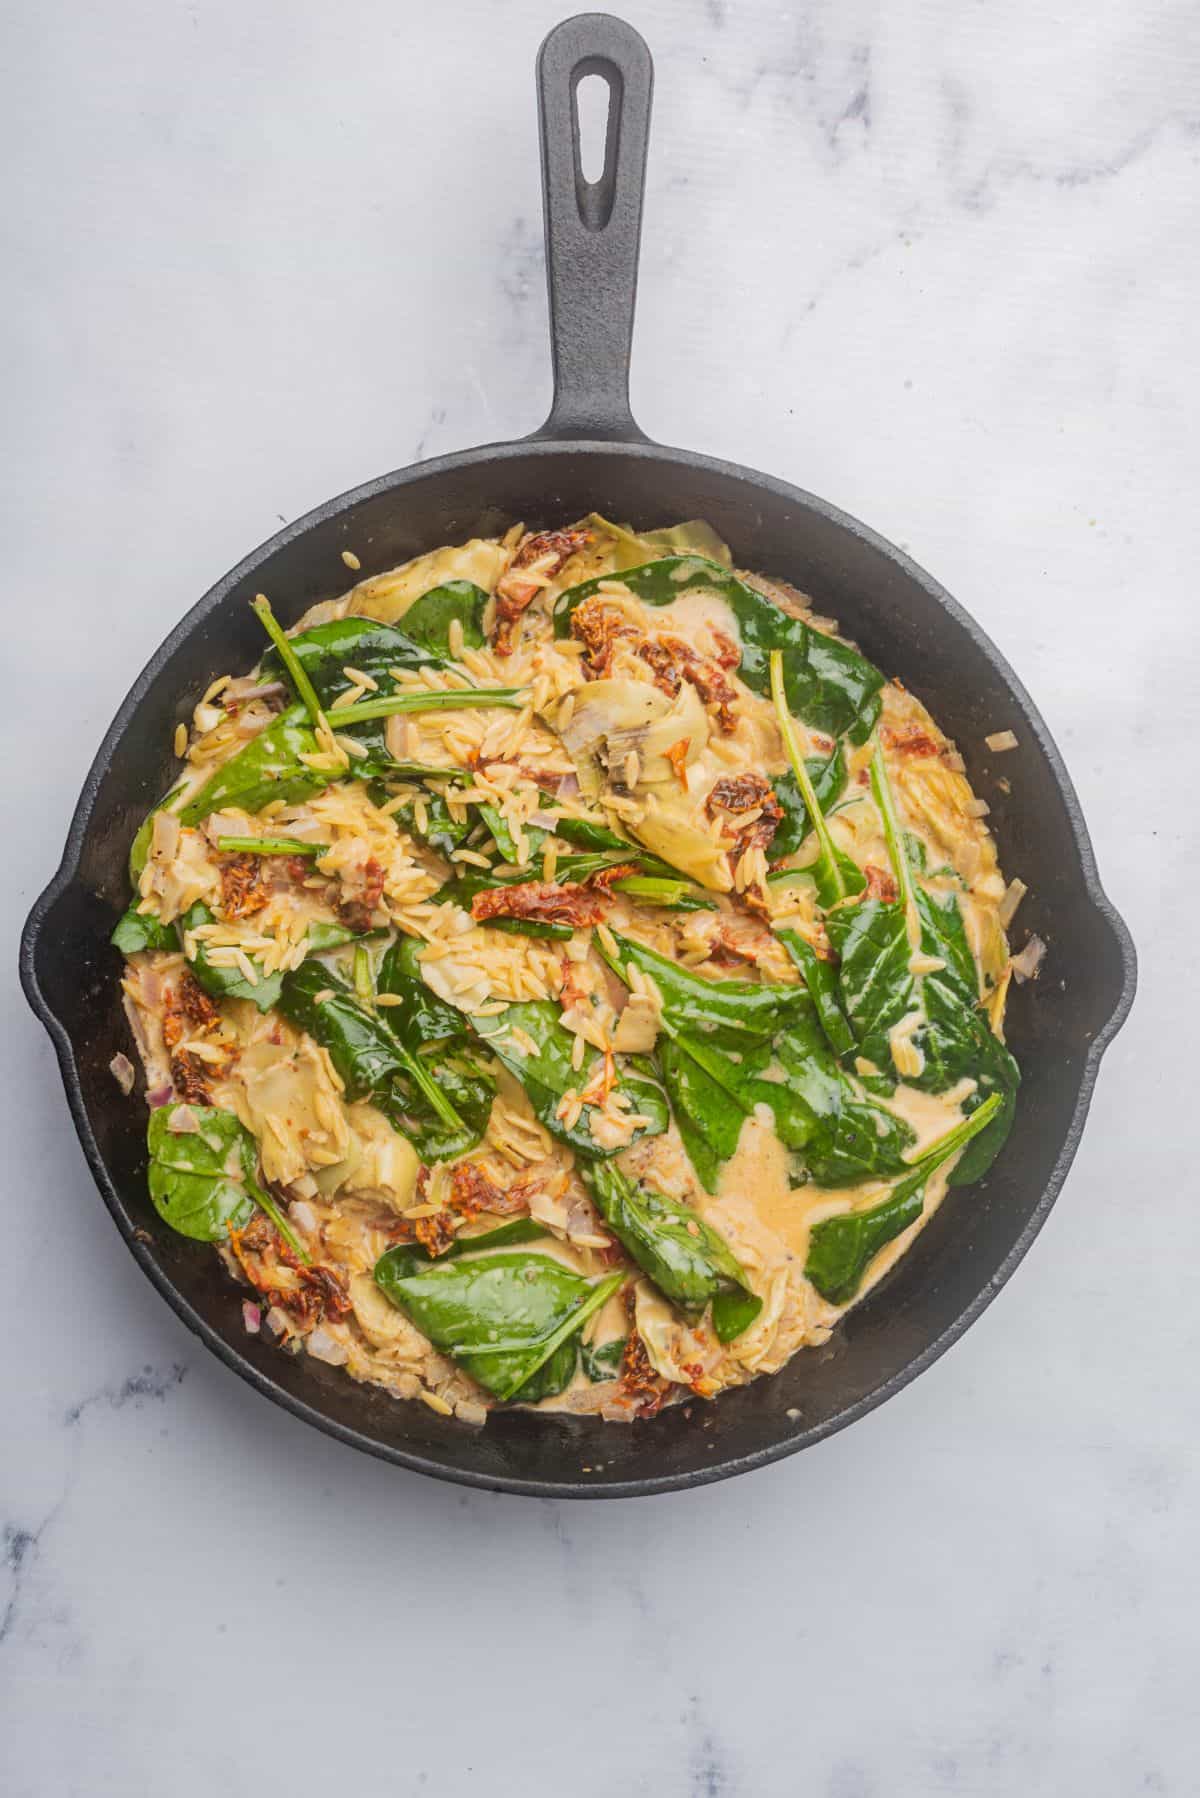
{"x":910,"y":739}
{"x":189,"y":1076}
{"x":603,"y":878}
{"x":360,"y":897}
{"x":538,"y":558}
{"x":735,"y":794}
{"x":197,"y":1007}
{"x":880,"y":885}
{"x":600,"y":626}
{"x":544,"y":900}
{"x":241,"y":886}
{"x":677,"y":756}
{"x":435,"y":1234}
{"x":674,"y":661}
{"x":638,"y":1378}
{"x":472,"y":1190}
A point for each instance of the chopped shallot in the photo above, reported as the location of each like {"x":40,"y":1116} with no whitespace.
{"x":1014,"y":892}
{"x":1025,"y":965}
{"x":251,"y":1317}
{"x":121,"y":1069}
{"x":304,"y":1217}
{"x":324,"y":1347}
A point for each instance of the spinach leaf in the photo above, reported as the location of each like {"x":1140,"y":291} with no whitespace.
{"x":374,"y":648}
{"x":671,"y":894}
{"x":830,"y":686}
{"x":955,"y":1038}
{"x":365,"y":1053}
{"x":442,"y":830}
{"x":204,"y":1181}
{"x":730,"y":1014}
{"x":836,"y":875}
{"x":139,"y":849}
{"x":548,"y":1075}
{"x":199,"y":1180}
{"x":708,"y":1115}
{"x":840,"y":1249}
{"x":821,"y":981}
{"x":428,"y":620}
{"x":229,"y":983}
{"x":432,"y":1035}
{"x":465,"y":1087}
{"x":603,"y":1362}
{"x":421,"y":640}
{"x":502,"y":835}
{"x":714,"y":1084}
{"x":827,"y":776}
{"x":877,"y":988}
{"x":137,"y":930}
{"x":408,"y":1258}
{"x":268,"y":767}
{"x":324,"y":651}
{"x":502,"y":1317}
{"x":553,"y":1376}
{"x":442,"y":1108}
{"x":714,"y":1034}
{"x":842,"y":1137}
{"x":592,"y":833}
{"x":424,"y":1018}
{"x":687,"y":1260}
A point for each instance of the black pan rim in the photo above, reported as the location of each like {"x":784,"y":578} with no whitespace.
{"x":67,"y":871}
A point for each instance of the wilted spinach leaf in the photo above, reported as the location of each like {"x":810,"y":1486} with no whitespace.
{"x":547,"y":1075}
{"x":427,"y":621}
{"x":602,"y":1362}
{"x":830,"y":686}
{"x":136,"y":931}
{"x":204,"y":1181}
{"x":841,"y":1248}
{"x":687,"y":1260}
{"x":502,"y":1317}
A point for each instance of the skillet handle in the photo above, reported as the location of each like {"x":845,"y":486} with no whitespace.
{"x":593,"y":228}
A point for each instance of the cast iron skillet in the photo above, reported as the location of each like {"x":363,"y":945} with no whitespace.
{"x":590,"y":455}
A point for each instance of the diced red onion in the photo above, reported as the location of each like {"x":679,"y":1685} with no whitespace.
{"x":160,"y":1096}
{"x":251,"y":1317}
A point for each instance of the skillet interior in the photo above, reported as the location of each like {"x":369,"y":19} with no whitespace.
{"x":1057,"y":1025}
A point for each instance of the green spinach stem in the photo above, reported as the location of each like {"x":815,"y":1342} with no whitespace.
{"x":453,"y":699}
{"x":307,"y":692}
{"x":268,"y":846}
{"x":791,"y":743}
{"x":885,"y":799}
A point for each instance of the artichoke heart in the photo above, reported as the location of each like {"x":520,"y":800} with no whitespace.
{"x":612,"y":720}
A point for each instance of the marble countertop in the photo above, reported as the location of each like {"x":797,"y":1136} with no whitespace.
{"x":936,"y":262}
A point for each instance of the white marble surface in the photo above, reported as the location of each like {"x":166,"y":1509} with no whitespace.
{"x":934,"y":260}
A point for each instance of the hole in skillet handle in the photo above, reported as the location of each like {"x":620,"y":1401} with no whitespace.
{"x":597,"y":115}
